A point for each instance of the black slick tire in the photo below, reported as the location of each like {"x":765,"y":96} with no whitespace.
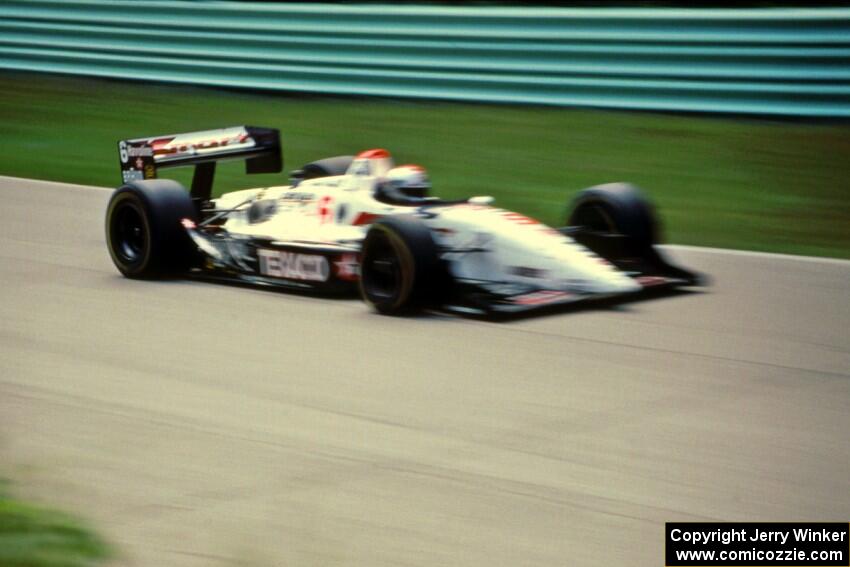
{"x":144,"y":234}
{"x":616,"y":208}
{"x":400,"y":270}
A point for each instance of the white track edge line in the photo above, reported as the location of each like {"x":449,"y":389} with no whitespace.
{"x":755,"y":254}
{"x":61,"y":183}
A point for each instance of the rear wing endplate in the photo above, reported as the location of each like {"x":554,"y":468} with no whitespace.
{"x":141,"y":158}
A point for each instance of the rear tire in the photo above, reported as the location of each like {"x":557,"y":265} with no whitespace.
{"x":143,"y":231}
{"x":400,"y":269}
{"x":616,"y":208}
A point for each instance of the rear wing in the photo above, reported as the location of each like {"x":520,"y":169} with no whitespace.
{"x":141,"y":158}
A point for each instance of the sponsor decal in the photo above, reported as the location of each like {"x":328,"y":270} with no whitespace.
{"x":298,"y":196}
{"x":541,"y":297}
{"x":347,"y":267}
{"x":325,"y":209}
{"x":527,"y":272}
{"x":293,"y":266}
{"x":140,"y":151}
{"x":136,"y":161}
{"x":518,"y":218}
{"x":649,"y":281}
{"x":201,"y":143}
{"x":131,"y":175}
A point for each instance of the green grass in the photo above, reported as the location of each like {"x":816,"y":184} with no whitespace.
{"x":32,"y":536}
{"x":717,"y":181}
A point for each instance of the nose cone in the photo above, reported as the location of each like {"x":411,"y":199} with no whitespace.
{"x":598,"y":276}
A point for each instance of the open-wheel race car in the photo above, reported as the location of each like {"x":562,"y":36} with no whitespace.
{"x":361,"y":222}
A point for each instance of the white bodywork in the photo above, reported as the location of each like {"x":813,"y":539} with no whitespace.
{"x":506,"y":252}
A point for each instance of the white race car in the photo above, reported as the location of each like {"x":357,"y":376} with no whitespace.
{"x":361,"y":222}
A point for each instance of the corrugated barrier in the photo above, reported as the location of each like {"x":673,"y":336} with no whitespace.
{"x":763,"y":61}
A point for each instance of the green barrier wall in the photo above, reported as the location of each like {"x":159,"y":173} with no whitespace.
{"x":762,"y":61}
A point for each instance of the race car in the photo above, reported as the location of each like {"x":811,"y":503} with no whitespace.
{"x":361,"y":222}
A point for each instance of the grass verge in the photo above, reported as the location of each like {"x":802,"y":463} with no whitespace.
{"x":32,"y":536}
{"x":717,"y":181}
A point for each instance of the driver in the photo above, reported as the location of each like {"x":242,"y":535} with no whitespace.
{"x":403,"y":185}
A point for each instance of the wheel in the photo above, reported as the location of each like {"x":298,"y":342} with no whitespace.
{"x":143,"y":231}
{"x":326,"y":167}
{"x":400,"y":269}
{"x":616,"y":208}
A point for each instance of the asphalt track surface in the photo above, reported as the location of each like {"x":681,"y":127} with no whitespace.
{"x":202,"y":424}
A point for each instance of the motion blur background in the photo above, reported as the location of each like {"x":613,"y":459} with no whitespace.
{"x":745,"y":146}
{"x":204,"y":425}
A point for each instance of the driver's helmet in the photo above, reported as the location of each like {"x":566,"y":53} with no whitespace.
{"x":409,"y":180}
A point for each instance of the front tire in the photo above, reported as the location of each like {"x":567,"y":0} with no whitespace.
{"x":143,"y":232}
{"x":400,"y":269}
{"x":616,"y":209}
